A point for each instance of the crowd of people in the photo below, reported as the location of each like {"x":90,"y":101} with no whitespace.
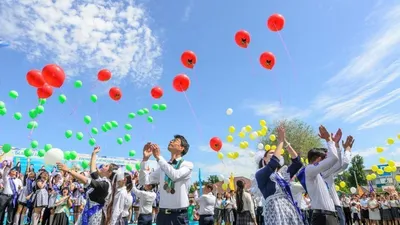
{"x":279,"y":194}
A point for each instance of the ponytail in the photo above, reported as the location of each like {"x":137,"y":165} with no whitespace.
{"x":113,"y":182}
{"x":239,"y":195}
{"x":128,"y":182}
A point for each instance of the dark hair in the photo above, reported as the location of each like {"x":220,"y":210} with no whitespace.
{"x":128,"y":182}
{"x":315,"y":153}
{"x":260,"y":163}
{"x":184,"y":144}
{"x":239,"y":195}
{"x":210,"y":186}
{"x":112,"y":167}
{"x":353,"y":204}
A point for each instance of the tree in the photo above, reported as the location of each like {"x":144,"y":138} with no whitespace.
{"x":301,"y":136}
{"x":212,"y":179}
{"x":356,"y":171}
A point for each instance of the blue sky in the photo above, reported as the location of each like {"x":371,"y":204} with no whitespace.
{"x":343,"y":72}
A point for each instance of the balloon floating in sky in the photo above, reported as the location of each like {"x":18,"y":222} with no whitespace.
{"x":35,"y":78}
{"x":104,"y":75}
{"x":78,"y":84}
{"x":242,"y":38}
{"x":45,"y":91}
{"x":62,"y":98}
{"x":157,"y":92}
{"x":229,"y":111}
{"x":188,"y":59}
{"x":13,"y":94}
{"x":115,"y":93}
{"x":216,"y":144}
{"x":267,"y":60}
{"x":276,"y":22}
{"x":53,"y":75}
{"x":181,"y":82}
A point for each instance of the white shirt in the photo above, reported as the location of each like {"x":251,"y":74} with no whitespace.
{"x":180,"y":176}
{"x":119,"y":204}
{"x":127,"y":205}
{"x":6,"y":183}
{"x":248,"y":204}
{"x":146,"y":200}
{"x":206,"y":202}
{"x":297,"y":192}
{"x":316,"y":186}
{"x":18,"y":183}
{"x":330,"y":174}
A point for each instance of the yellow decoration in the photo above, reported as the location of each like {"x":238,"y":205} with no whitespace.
{"x":248,"y":128}
{"x":369,"y":177}
{"x":393,"y":169}
{"x":390,"y":141}
{"x":246,"y":144}
{"x":283,"y":151}
{"x":337,"y":188}
{"x":379,"y":149}
{"x":374,"y":168}
{"x":306,"y":161}
{"x":235,"y":155}
{"x":398,"y":136}
{"x":224,"y":186}
{"x":373,"y":176}
{"x":302,"y":159}
{"x":253,"y":135}
{"x":379,"y":172}
{"x":260,"y":133}
{"x":229,"y":138}
{"x":242,"y":145}
{"x":220,"y":155}
{"x":273,"y":147}
{"x":263,"y":123}
{"x":231,"y":129}
{"x":232,"y":182}
{"x":391,"y":163}
{"x":342,"y":184}
{"x":230,"y":155}
{"x":397,"y":178}
{"x":267,"y":147}
{"x":387,"y":169}
{"x":272,"y":137}
{"x":242,"y":134}
{"x":382,"y":160}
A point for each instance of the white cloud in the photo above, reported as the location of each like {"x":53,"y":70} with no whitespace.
{"x":366,"y":152}
{"x":188,"y":11}
{"x":360,"y":89}
{"x":244,"y":165}
{"x":84,"y":36}
{"x":379,"y":120}
{"x":275,"y":110}
{"x":395,"y":152}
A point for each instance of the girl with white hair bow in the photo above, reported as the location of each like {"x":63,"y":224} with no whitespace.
{"x":121,"y":201}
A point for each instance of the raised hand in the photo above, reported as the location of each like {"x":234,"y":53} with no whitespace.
{"x":147,"y":151}
{"x":281,"y":133}
{"x":349,"y":142}
{"x":156,"y":150}
{"x":324,"y":134}
{"x":96,"y":149}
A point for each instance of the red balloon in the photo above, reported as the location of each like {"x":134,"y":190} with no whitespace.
{"x":115,"y":93}
{"x":104,"y":75}
{"x":181,"y":82}
{"x":215,"y":144}
{"x":157,"y":92}
{"x":53,"y":75}
{"x":276,"y":22}
{"x":35,"y":78}
{"x":188,"y":59}
{"x":242,"y":38}
{"x":267,"y":60}
{"x":45,"y":91}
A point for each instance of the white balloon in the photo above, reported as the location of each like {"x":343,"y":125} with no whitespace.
{"x":229,"y":111}
{"x":53,"y":156}
{"x":243,"y":129}
{"x":226,"y":180}
{"x":252,"y":154}
{"x":221,"y":177}
{"x":260,"y":146}
{"x":353,"y":190}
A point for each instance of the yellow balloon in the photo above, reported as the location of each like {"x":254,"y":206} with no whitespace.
{"x":224,"y":186}
{"x":220,"y":155}
{"x":272,"y":137}
{"x":302,"y":159}
{"x":391,"y":163}
{"x":374,"y":168}
{"x":242,"y":145}
{"x":283,"y":151}
{"x":307,"y":161}
{"x":342,"y":184}
{"x":379,"y":149}
{"x":373,"y":176}
{"x":397,"y":178}
{"x":273,"y":147}
{"x":267,"y":147}
{"x":260,"y":133}
{"x":387,"y":169}
{"x":246,"y":144}
{"x":231,"y":129}
{"x":398,"y":136}
{"x":230,"y":155}
{"x":393,"y":169}
{"x":253,"y":135}
{"x":248,"y":128}
{"x":382,"y":160}
{"x":242,"y":134}
{"x":229,"y":138}
{"x":369,"y":177}
{"x":379,"y":172}
{"x":263,"y":123}
{"x":390,"y":141}
{"x":235,"y":155}
{"x":337,"y":188}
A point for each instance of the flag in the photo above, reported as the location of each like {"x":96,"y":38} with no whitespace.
{"x":371,"y":188}
{"x":232,"y":182}
{"x":200,"y":183}
{"x":360,"y":190}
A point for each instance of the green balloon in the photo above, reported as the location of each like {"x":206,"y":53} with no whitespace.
{"x":62,"y":98}
{"x":131,"y":115}
{"x":34,"y":144}
{"x":67,"y":155}
{"x":92,"y":141}
{"x":108,"y":125}
{"x":73,"y":155}
{"x":17,"y":115}
{"x":6,"y":148}
{"x":85,"y":164}
{"x":137,"y":166}
{"x":145,"y":110}
{"x":79,"y":135}
{"x":87,"y":119}
{"x":120,"y":141}
{"x":140,"y":112}
{"x":28,"y":152}
{"x":39,"y":109}
{"x":32,"y":113}
{"x":42,"y":101}
{"x":127,"y":137}
{"x":3,"y":111}
{"x":114,"y":123}
{"x":78,"y":84}
{"x":93,"y":98}
{"x":128,"y":126}
{"x":132,"y":153}
{"x":163,"y":107}
{"x":32,"y":125}
{"x":129,"y":167}
{"x":47,"y":147}
{"x":150,"y":119}
{"x":41,"y":152}
{"x":13,"y":94}
{"x":155,"y":106}
{"x":104,"y":128}
{"x":94,"y":130}
{"x":2,"y":105}
{"x":68,"y":133}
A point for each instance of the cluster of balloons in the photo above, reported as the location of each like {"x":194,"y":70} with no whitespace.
{"x":390,"y":168}
{"x":275,"y":23}
{"x":51,"y":76}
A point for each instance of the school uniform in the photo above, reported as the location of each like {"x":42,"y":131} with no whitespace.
{"x":206,"y":211}
{"x":174,"y":178}
{"x":145,"y":205}
{"x":9,"y":197}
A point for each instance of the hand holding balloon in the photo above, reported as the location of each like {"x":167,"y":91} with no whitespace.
{"x":156,"y":151}
{"x":147,"y":151}
{"x":62,"y":167}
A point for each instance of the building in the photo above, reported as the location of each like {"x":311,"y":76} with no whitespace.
{"x":386,"y":179}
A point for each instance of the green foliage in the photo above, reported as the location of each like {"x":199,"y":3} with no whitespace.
{"x":213,"y":179}
{"x":357,"y":169}
{"x":301,"y":136}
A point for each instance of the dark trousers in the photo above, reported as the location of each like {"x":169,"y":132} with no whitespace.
{"x":6,"y":202}
{"x":234,"y":215}
{"x":145,"y":219}
{"x":324,"y":217}
{"x":341,"y":216}
{"x":46,"y":217}
{"x":206,"y":220}
{"x":306,"y":214}
{"x":176,"y":217}
{"x":260,"y":215}
{"x":347,"y":215}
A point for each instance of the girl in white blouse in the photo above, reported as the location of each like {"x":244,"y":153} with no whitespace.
{"x":245,"y":206}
